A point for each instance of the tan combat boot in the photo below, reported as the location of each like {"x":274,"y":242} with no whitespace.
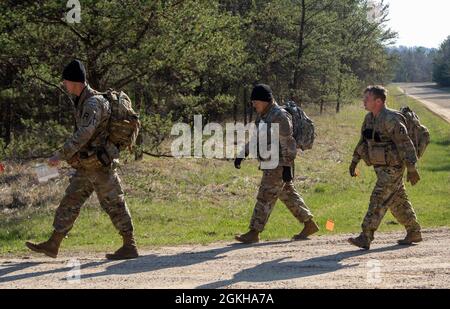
{"x":310,"y":228}
{"x":411,"y":237}
{"x":50,"y":247}
{"x":361,"y":241}
{"x":127,"y":251}
{"x":250,"y":237}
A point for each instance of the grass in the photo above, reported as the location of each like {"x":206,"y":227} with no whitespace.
{"x":200,"y":201}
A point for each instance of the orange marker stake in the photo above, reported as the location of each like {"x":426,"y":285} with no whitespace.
{"x":330,"y":225}
{"x":2,"y":168}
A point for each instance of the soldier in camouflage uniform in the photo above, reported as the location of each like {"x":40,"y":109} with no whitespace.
{"x":278,"y":182}
{"x":89,"y":152}
{"x":386,"y":145}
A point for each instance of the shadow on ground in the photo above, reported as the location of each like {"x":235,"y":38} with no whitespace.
{"x":269,"y":271}
{"x":278,"y":270}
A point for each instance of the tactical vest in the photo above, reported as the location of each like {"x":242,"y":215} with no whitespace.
{"x":382,"y":151}
{"x":97,"y":152}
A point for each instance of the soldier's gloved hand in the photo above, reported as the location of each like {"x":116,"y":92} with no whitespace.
{"x":287,"y":174}
{"x":352,"y":169}
{"x":413,"y":175}
{"x":237,"y":163}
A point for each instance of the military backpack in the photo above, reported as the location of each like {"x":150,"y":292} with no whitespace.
{"x":418,"y":133}
{"x":124,"y":124}
{"x":303,"y":126}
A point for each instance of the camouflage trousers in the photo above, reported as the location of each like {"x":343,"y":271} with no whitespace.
{"x":271,"y":188}
{"x":106,"y":183}
{"x":389,"y":193}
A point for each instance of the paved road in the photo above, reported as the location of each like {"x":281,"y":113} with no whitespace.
{"x":438,"y":101}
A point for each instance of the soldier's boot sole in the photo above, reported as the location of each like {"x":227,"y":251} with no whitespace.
{"x":405,"y":242}
{"x":123,"y":254}
{"x":114,"y":257}
{"x":41,"y":249}
{"x":246,"y":241}
{"x":358,"y":244}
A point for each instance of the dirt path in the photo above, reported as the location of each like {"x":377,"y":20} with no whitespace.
{"x":438,"y":101}
{"x":323,"y":262}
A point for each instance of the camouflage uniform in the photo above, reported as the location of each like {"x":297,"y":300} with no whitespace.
{"x":272,"y":185}
{"x":386,"y":145}
{"x":80,"y":150}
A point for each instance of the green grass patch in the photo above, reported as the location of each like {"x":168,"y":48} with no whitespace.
{"x":203,"y":201}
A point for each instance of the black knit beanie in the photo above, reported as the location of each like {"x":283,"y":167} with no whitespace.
{"x":262,"y":92}
{"x":75,"y":72}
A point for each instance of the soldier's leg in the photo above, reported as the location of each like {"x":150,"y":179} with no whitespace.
{"x":78,"y":191}
{"x":269,"y":189}
{"x":388,"y":183}
{"x":76,"y":194}
{"x":295,"y":203}
{"x":110,"y":194}
{"x":403,"y":211}
{"x":112,"y":199}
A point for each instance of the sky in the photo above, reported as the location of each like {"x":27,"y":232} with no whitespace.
{"x":420,"y":22}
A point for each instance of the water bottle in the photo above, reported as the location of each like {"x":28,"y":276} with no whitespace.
{"x":45,"y":172}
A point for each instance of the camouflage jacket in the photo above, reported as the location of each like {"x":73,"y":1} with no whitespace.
{"x":287,"y":143}
{"x":385,"y":137}
{"x":92,"y":113}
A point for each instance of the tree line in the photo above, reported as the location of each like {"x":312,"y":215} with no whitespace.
{"x":420,"y":64}
{"x":441,"y":64}
{"x":413,"y":64}
{"x":179,"y":58}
